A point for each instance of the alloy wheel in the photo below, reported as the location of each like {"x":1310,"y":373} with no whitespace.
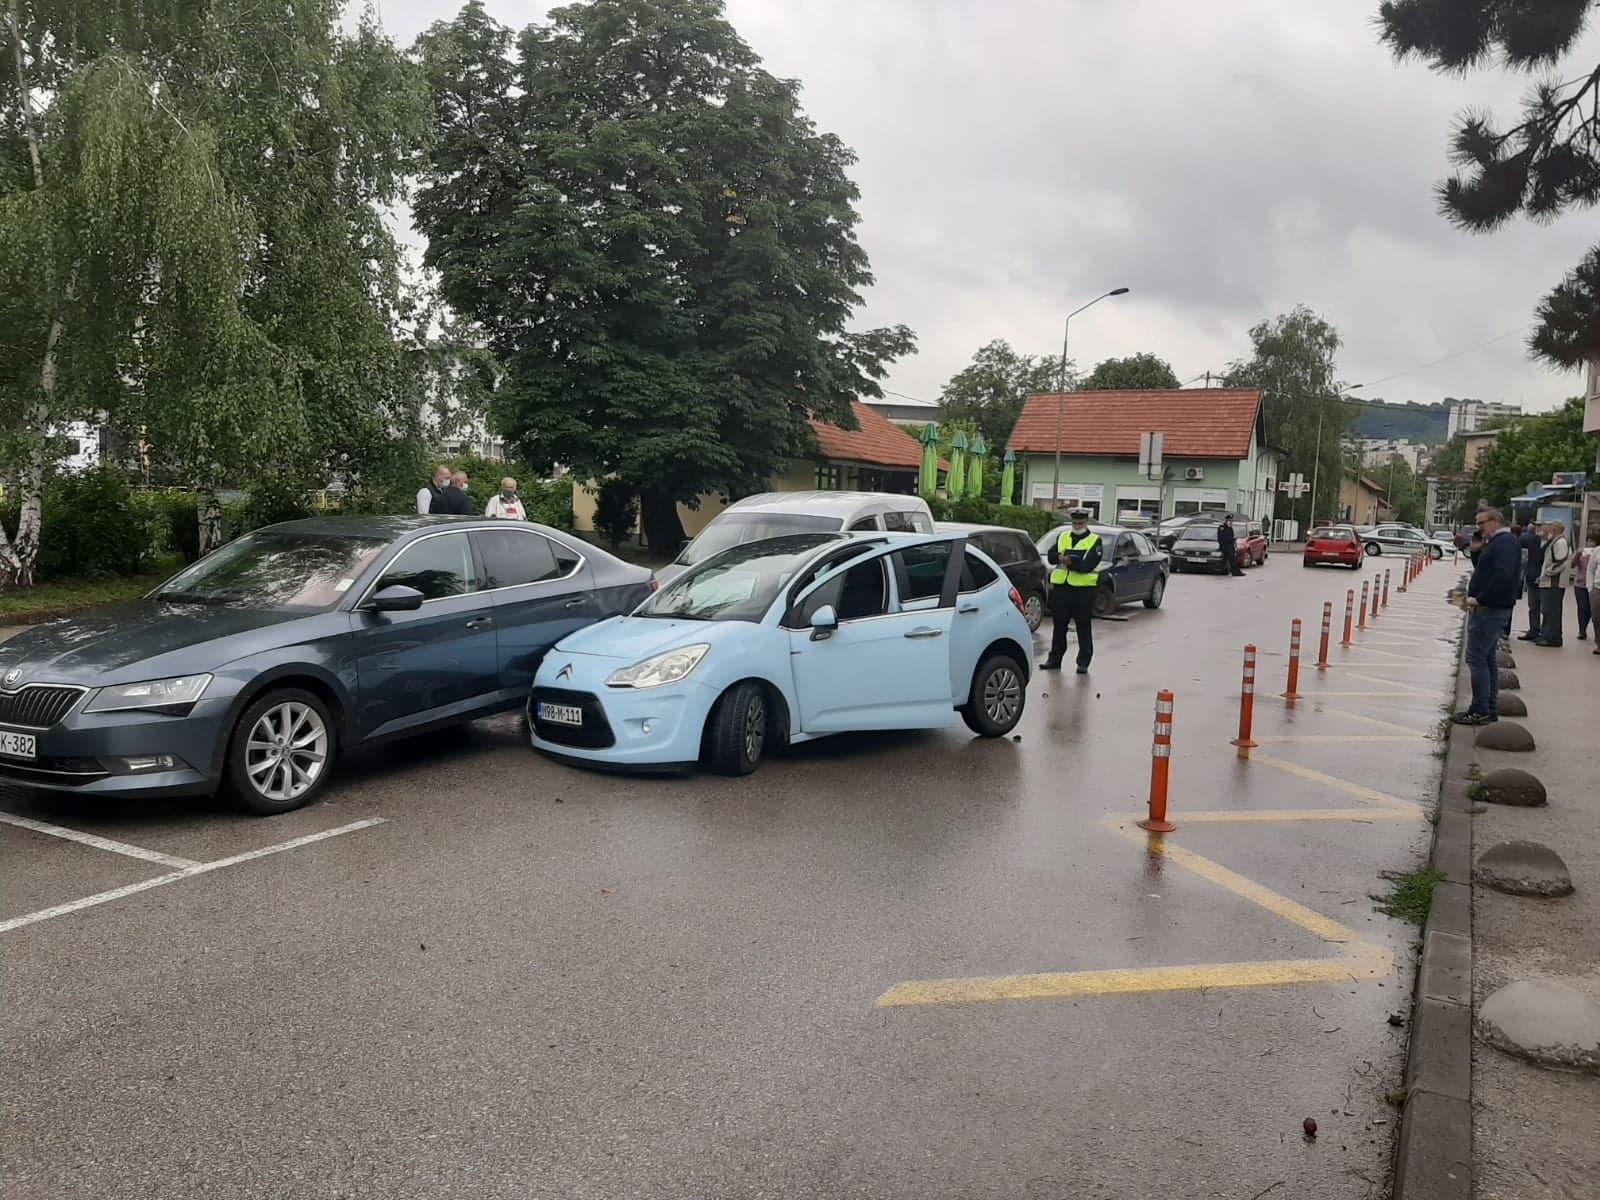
{"x":286,"y":751}
{"x":755,"y":728}
{"x":1033,"y":610}
{"x":1002,"y":695}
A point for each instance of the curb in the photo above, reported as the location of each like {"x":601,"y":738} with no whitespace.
{"x":1433,"y":1158}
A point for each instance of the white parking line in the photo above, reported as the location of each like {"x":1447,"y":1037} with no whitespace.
{"x":99,"y":843}
{"x":144,"y":885}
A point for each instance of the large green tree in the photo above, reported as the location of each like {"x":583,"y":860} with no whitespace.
{"x":988,"y":393}
{"x":1530,"y":449}
{"x":1543,"y":165}
{"x":1137,"y":372}
{"x":1292,"y":362}
{"x":658,"y":243}
{"x":192,"y":235}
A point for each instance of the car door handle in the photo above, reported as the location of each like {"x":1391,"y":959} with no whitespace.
{"x":479,"y":622}
{"x":923,"y":631}
{"x":575,"y":602}
{"x":968,"y":608}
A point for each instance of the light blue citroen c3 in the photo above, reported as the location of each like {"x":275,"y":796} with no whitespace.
{"x":786,"y":640}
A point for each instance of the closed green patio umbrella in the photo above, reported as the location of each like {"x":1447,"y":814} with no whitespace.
{"x":928,"y":476}
{"x":1008,"y":478}
{"x":955,"y":484}
{"x":980,"y":449}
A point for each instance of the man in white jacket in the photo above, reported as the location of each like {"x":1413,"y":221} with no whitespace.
{"x":1594,"y":584}
{"x":1555,"y":577}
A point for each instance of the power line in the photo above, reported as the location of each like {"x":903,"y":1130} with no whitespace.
{"x":1446,"y":358}
{"x":903,"y":396}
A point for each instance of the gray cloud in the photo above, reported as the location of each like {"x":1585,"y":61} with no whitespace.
{"x":1225,"y":160}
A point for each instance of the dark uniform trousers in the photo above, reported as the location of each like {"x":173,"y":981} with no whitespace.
{"x":1075,"y":604}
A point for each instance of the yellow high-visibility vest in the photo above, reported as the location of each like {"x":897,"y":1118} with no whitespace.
{"x":1061,"y":574}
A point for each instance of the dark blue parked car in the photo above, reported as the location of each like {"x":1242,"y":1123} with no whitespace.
{"x":255,"y":666}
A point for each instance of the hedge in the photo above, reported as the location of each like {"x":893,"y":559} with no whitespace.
{"x":1036,"y":522}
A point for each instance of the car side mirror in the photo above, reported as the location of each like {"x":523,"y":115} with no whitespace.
{"x":823,"y":622}
{"x":395,"y":598}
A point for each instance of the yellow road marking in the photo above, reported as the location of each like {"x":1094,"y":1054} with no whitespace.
{"x":1370,"y":962}
{"x":1350,"y":716}
{"x":1360,"y":960}
{"x":1222,"y":816}
{"x":1359,"y":791}
{"x":1341,"y":737}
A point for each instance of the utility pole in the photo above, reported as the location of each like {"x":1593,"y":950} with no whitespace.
{"x":1061,"y":386}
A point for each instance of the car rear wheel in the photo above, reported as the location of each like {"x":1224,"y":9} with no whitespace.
{"x":994,"y":706}
{"x":1374,"y":549}
{"x":282,"y":752}
{"x":1105,"y":601}
{"x":736,"y":732}
{"x":1033,"y":610}
{"x":1153,"y":600}
{"x":1437,"y":552}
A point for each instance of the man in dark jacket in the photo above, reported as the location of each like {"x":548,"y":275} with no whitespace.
{"x":1532,"y":564}
{"x":1074,"y":583}
{"x":1490,"y":595}
{"x":451,"y":501}
{"x":1228,"y":540}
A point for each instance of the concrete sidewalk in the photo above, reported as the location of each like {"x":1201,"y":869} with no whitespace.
{"x":1535,"y":1126}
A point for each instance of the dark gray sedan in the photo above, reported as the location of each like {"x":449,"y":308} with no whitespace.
{"x":255,"y":666}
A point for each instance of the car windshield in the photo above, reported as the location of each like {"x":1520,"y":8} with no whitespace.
{"x":268,"y":569}
{"x":1200,"y":533}
{"x":739,"y":584}
{"x":737,"y":528}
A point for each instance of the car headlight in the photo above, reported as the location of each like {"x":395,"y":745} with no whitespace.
{"x":663,"y":668}
{"x":172,"y":694}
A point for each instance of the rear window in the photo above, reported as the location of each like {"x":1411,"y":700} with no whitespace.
{"x":736,"y":528}
{"x":1332,"y":535}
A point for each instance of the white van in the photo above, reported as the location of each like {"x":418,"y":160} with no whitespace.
{"x":773,"y":514}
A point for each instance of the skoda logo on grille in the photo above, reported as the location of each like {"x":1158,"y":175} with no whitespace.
{"x":13,"y":675}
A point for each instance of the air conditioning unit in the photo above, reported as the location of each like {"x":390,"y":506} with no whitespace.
{"x":1194,"y":472}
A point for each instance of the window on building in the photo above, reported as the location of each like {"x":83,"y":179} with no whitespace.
{"x":828,"y":478}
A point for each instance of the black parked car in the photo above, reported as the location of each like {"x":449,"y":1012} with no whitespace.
{"x":1017,"y":556}
{"x":1132,"y":570}
{"x":255,"y":666}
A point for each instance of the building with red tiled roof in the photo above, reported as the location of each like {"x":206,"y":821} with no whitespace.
{"x":1214,"y":452}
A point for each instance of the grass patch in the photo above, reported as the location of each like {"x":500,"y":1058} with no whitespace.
{"x":58,"y":597}
{"x":1411,"y":895}
{"x":1476,"y":792}
{"x":1399,"y":1097}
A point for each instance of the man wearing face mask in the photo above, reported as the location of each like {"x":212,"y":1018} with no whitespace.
{"x":506,"y":505}
{"x":1073,"y":584}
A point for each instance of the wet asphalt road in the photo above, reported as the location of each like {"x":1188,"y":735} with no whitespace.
{"x":531,"y":981}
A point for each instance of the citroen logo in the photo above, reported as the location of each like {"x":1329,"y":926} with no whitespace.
{"x":564,"y":673}
{"x":13,"y":675}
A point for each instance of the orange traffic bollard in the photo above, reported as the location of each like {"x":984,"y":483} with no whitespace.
{"x":1405,"y":575}
{"x":1327,"y":628}
{"x":1374,"y":599}
{"x":1247,"y":704}
{"x":1349,"y":613}
{"x":1386,"y":587}
{"x":1363,"y":609}
{"x":1290,"y":694}
{"x":1160,"y":765}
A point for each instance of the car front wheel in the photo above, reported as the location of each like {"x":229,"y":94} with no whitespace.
{"x":282,"y":752}
{"x":994,"y":706}
{"x":1153,"y":600}
{"x":1105,"y":601}
{"x":736,"y":733}
{"x":1033,"y":610}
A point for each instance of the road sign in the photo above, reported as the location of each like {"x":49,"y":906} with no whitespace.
{"x":1150,"y":447}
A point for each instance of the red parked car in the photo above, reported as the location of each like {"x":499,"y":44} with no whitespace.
{"x":1334,"y":544}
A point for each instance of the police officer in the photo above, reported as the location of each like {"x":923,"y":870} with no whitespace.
{"x":1073,"y":584}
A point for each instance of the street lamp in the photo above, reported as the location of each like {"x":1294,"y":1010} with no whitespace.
{"x":1061,"y":386}
{"x":1316,"y":460}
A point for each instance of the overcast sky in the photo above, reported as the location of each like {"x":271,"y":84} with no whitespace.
{"x":1224,"y":160}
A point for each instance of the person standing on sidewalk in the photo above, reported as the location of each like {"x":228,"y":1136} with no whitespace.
{"x":1228,"y":540}
{"x":1490,"y":595}
{"x":1074,"y":580}
{"x":1532,"y":564}
{"x":427,"y":494}
{"x":1580,"y":588}
{"x":1594,"y":584}
{"x":1555,"y":576}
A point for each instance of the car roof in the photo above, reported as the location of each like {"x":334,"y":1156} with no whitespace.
{"x":1102,"y":530}
{"x":387,"y":526}
{"x":840,"y":503}
{"x":971,"y":527}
